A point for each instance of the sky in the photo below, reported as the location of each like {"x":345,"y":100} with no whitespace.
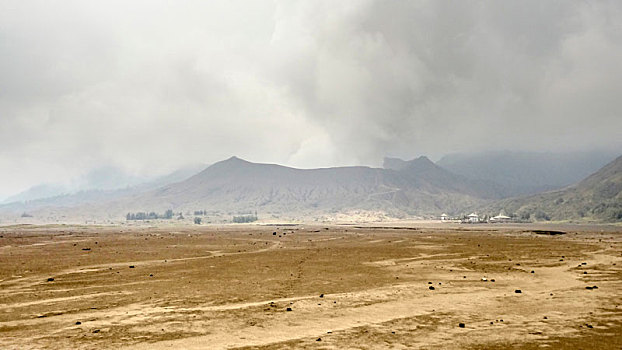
{"x":149,"y":86}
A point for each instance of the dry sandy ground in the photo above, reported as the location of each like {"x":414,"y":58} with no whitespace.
{"x":347,"y":287}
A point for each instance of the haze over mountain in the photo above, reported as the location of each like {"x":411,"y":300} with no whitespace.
{"x":521,"y":173}
{"x":104,"y":178}
{"x":596,"y":198}
{"x":147,"y":86}
{"x":402,"y":189}
{"x":236,"y":185}
{"x":57,"y":197}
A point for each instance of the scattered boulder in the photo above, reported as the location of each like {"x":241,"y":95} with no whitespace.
{"x":78,"y":323}
{"x":461,"y":325}
{"x":518,"y":291}
{"x":288,"y":309}
{"x":322,"y":295}
{"x":131,"y":266}
{"x":86,"y":249}
{"x":318,"y":339}
{"x":51,"y":279}
{"x":431,"y":288}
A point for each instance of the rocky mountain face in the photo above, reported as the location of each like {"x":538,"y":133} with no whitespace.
{"x":524,"y":173}
{"x":596,"y":198}
{"x":415,"y":188}
{"x":236,"y":185}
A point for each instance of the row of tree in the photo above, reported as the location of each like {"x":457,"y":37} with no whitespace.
{"x":245,"y":218}
{"x":151,"y":215}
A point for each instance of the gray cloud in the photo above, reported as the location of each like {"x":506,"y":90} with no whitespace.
{"x":151,"y":85}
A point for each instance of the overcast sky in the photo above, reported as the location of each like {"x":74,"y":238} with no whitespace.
{"x":148,"y":86}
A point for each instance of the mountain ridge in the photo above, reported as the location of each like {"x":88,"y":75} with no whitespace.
{"x":598,"y":197}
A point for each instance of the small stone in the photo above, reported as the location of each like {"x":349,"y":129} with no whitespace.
{"x":51,"y":279}
{"x":518,"y":291}
{"x":431,"y":288}
{"x":131,"y":266}
{"x":96,"y":331}
{"x":78,"y":322}
{"x":461,"y":325}
{"x":318,"y":339}
{"x":532,"y":271}
{"x":322,"y":295}
{"x":288,"y":309}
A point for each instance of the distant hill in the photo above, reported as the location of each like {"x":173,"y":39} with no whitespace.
{"x":522,"y":173}
{"x":235,"y":185}
{"x":423,"y":172}
{"x":415,"y":188}
{"x":598,"y":198}
{"x":57,"y":197}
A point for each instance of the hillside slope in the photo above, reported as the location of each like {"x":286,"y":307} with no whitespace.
{"x":598,"y":197}
{"x":525,"y":173}
{"x":236,"y":185}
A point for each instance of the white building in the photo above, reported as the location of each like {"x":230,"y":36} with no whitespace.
{"x":500,"y":218}
{"x":444,"y":217}
{"x":473,"y":218}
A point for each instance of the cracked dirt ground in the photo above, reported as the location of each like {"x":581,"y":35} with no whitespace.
{"x":347,"y":287}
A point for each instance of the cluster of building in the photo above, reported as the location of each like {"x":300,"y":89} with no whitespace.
{"x":473,"y":218}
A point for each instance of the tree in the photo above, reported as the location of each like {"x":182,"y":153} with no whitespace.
{"x":197,"y":221}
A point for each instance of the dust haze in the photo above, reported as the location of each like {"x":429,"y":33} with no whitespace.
{"x":148,"y":86}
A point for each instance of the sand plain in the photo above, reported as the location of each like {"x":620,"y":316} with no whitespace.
{"x":310,"y":287}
